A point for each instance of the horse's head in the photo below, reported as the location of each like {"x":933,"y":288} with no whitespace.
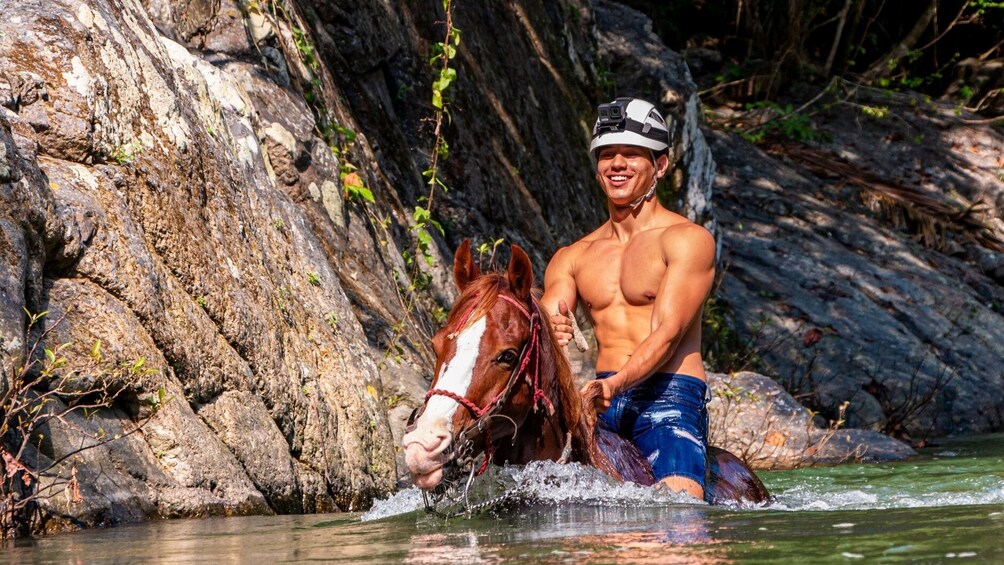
{"x":487,"y":357}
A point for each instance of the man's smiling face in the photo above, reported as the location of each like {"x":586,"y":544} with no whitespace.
{"x":625,"y":172}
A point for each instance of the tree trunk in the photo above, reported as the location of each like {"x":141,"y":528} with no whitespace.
{"x":883,"y":67}
{"x":836,"y":37}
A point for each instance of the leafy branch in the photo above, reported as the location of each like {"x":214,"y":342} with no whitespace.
{"x":46,"y":389}
{"x":441,"y":54}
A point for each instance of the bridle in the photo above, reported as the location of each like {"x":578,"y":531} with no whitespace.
{"x":529,"y":356}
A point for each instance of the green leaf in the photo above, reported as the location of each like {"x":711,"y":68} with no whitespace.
{"x":96,"y":350}
{"x":366,"y":193}
{"x":437,"y":99}
{"x":50,"y":355}
{"x":447,"y":76}
{"x":421,"y":215}
{"x":424,"y":239}
{"x":438,"y":227}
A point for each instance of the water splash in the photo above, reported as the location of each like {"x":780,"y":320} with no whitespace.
{"x":810,"y":497}
{"x":538,"y":482}
{"x":401,"y":502}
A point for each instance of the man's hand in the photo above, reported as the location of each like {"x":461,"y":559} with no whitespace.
{"x":561,"y":322}
{"x":596,"y":394}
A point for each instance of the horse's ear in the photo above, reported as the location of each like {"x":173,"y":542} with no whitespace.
{"x":520,"y":273}
{"x":464,"y":269}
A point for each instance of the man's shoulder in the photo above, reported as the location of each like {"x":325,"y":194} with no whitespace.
{"x":687,"y":238}
{"x":566,"y":255}
{"x":685,"y":229}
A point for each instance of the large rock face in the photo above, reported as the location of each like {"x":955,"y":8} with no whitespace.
{"x":170,"y":189}
{"x":148,"y":198}
{"x":858,"y":270}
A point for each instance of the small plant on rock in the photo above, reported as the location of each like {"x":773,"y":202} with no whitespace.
{"x":48,"y":389}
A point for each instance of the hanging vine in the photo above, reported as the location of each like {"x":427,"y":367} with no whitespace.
{"x":441,"y":55}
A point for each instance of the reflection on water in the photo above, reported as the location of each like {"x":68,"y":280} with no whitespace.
{"x":945,"y":507}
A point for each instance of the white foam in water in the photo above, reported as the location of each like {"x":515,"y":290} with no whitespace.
{"x":550,"y":483}
{"x":811,"y":497}
{"x":543,"y":482}
{"x":400,"y":502}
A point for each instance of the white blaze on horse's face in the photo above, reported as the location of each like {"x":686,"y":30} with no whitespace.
{"x":457,"y":373}
{"x":434,"y":429}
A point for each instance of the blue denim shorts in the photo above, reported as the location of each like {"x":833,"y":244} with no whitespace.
{"x":666,"y":416}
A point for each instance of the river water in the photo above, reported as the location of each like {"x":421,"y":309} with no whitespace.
{"x":946,"y":506}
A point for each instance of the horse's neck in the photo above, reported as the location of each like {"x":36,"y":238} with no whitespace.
{"x":541,"y":437}
{"x":575,"y":418}
{"x":551,"y":427}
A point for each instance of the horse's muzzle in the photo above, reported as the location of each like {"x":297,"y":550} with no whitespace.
{"x":426,"y":453}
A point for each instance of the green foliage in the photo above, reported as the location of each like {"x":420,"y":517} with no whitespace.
{"x":723,"y":347}
{"x":352,"y":184}
{"x":52,"y":384}
{"x":282,"y":298}
{"x":440,"y":55}
{"x":308,"y":54}
{"x":126,"y":154}
{"x":787,"y":122}
{"x":485,"y":248}
{"x":877,"y":112}
{"x":982,"y":6}
{"x":394,"y":400}
{"x":313,"y":279}
{"x":423,"y":221}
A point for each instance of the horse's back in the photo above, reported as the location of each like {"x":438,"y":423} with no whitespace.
{"x":625,"y":457}
{"x":731,"y":480}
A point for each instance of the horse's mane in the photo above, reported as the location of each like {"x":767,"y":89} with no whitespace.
{"x":578,"y":419}
{"x":564,"y":396}
{"x":485,"y":291}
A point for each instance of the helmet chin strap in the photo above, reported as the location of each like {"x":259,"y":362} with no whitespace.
{"x":644,"y":197}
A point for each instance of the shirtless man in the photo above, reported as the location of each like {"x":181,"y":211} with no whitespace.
{"x":643,"y":277}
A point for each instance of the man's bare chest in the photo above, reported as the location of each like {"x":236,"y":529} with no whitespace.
{"x":630,"y":275}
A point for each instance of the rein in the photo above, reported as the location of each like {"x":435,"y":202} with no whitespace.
{"x":482,"y":415}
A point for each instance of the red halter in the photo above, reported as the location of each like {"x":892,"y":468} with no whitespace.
{"x":530,"y":350}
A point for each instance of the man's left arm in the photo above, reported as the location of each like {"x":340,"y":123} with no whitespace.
{"x":690,"y":273}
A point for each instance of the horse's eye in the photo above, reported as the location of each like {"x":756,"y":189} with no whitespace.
{"x":507,"y":357}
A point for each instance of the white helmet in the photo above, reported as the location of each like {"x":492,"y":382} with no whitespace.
{"x":629,"y":121}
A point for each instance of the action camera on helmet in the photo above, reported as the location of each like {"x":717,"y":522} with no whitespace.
{"x":629,"y":121}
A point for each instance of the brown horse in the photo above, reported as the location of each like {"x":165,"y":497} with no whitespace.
{"x":504,"y":393}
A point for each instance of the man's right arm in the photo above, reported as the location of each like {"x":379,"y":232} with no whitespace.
{"x":560,"y":294}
